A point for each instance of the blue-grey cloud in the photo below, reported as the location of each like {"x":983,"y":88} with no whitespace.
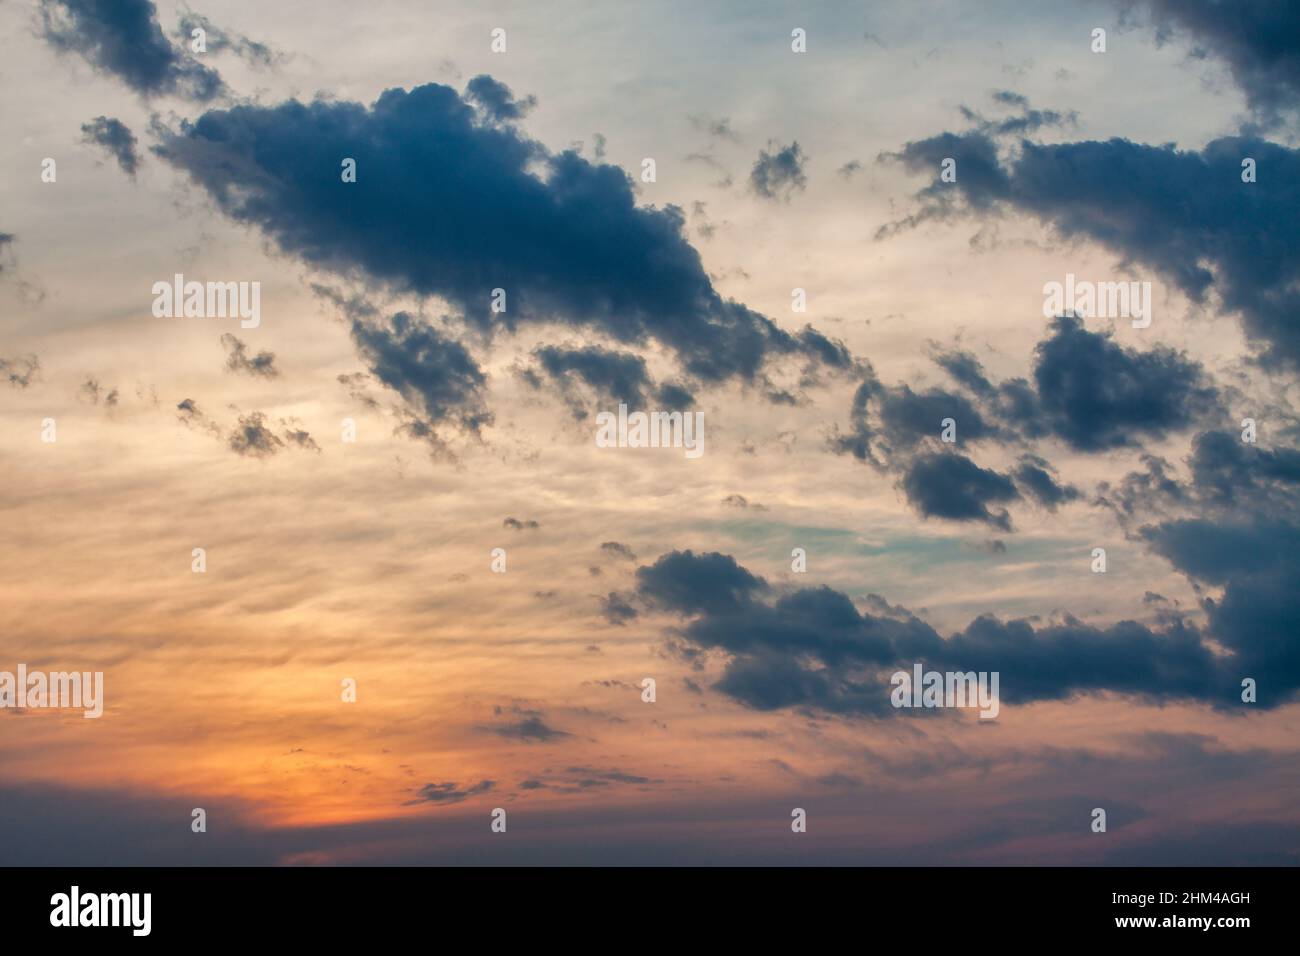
{"x":779,"y":171}
{"x":449,"y":203}
{"x":813,"y":648}
{"x":1185,"y":214}
{"x":217,"y":40}
{"x":1256,"y":39}
{"x":433,"y":372}
{"x":495,"y":98}
{"x":450,"y":792}
{"x":115,"y":137}
{"x":123,"y":38}
{"x":238,"y":358}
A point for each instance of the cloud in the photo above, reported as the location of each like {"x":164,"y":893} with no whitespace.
{"x":530,"y":729}
{"x":1257,"y":39}
{"x":1028,"y":120}
{"x":434,"y":373}
{"x":812,"y":648}
{"x":1096,"y":394}
{"x":123,"y":38}
{"x":1034,"y":476}
{"x":1185,"y":214}
{"x":714,"y":127}
{"x":447,"y":204}
{"x":950,"y":485}
{"x":1086,"y":390}
{"x":450,"y":792}
{"x":1226,"y":470}
{"x":616,"y":609}
{"x":250,"y":437}
{"x":250,"y":51}
{"x":114,"y":136}
{"x":614,"y":376}
{"x":514,"y":524}
{"x":778,"y":171}
{"x":92,"y":392}
{"x":618,"y":550}
{"x":261,"y":365}
{"x":21,"y":371}
{"x":495,"y":99}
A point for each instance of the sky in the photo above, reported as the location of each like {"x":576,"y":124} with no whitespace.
{"x":365,"y":587}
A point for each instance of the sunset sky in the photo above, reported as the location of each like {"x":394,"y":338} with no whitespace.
{"x":330,"y":560}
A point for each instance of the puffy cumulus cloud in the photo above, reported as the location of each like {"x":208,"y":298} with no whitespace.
{"x":813,"y":648}
{"x":1184,"y":213}
{"x":950,"y":485}
{"x":1096,"y":394}
{"x":1231,"y":525}
{"x":449,"y":203}
{"x":116,"y":138}
{"x":1086,"y":390}
{"x":123,"y":38}
{"x":779,"y":171}
{"x":1256,"y":39}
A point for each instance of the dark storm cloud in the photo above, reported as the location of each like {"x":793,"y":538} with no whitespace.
{"x":450,"y":792}
{"x":261,"y":365}
{"x":812,"y":648}
{"x":114,"y":136}
{"x":950,"y":485}
{"x":778,"y":171}
{"x":1257,"y":39}
{"x":495,"y":99}
{"x":1185,"y":214}
{"x":122,"y":37}
{"x":448,"y":205}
